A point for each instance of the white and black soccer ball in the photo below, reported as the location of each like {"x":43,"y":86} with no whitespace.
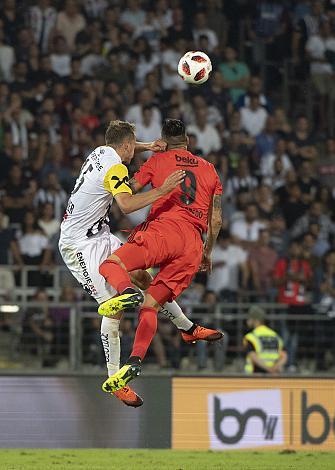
{"x":195,"y":67}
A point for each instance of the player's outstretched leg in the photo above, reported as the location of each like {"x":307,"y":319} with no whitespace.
{"x":146,"y":329}
{"x":111,"y":344}
{"x":198,"y":332}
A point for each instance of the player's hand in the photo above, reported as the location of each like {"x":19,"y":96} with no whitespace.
{"x":157,"y":146}
{"x":172,"y":182}
{"x":206,"y":263}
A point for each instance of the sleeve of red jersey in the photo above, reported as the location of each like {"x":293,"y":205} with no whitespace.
{"x":144,"y":174}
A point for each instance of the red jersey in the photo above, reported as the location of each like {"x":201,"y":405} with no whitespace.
{"x":192,"y":199}
{"x":292,"y":293}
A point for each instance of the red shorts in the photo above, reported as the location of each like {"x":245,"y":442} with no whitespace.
{"x":176,"y":248}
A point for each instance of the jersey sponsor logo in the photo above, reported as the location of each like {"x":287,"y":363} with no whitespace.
{"x":186,"y":161}
{"x":96,"y":161}
{"x":255,"y":413}
{"x":88,"y":286}
{"x":168,"y":314}
{"x":105,"y":344}
{"x":196,"y":212}
{"x":120,"y":182}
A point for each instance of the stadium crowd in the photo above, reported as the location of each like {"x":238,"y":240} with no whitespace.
{"x":69,"y":67}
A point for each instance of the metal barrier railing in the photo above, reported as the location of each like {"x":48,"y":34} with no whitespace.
{"x":56,"y":335}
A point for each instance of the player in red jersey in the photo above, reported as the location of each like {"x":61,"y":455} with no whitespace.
{"x":170,"y":238}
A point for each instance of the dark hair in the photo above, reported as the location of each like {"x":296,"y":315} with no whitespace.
{"x":119,"y":131}
{"x":173,"y":128}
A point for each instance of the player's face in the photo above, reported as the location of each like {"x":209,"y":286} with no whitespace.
{"x":129,"y":150}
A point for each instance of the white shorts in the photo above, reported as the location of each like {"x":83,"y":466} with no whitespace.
{"x":83,"y":259}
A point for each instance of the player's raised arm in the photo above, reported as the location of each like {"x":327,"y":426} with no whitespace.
{"x":128,"y":202}
{"x":214,"y":226}
{"x":156,"y":146}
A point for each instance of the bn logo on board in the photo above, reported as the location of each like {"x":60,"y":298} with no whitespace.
{"x":245,"y":419}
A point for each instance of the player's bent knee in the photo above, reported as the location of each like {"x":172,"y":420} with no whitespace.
{"x":141,"y":278}
{"x":160,"y":293}
{"x":105,"y":265}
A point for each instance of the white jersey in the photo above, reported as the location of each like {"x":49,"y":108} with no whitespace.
{"x":102,"y":176}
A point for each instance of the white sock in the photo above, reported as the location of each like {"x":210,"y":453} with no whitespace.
{"x":173,"y":312}
{"x":111,"y":343}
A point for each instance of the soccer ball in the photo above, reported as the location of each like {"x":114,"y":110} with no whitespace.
{"x":194,"y":67}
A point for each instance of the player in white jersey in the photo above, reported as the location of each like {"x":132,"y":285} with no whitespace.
{"x":86,"y":241}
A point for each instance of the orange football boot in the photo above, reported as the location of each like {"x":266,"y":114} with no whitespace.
{"x":202,"y":333}
{"x":128,"y":397}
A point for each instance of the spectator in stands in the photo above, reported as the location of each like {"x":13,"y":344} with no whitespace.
{"x":133,"y":16}
{"x":31,"y":247}
{"x":274,"y":166}
{"x":6,"y":237}
{"x":42,"y":20}
{"x":135,"y":111}
{"x":235,"y":149}
{"x":171,"y":53}
{"x":235,"y":74}
{"x":326,"y":164}
{"x":301,"y":145}
{"x":229,"y":264}
{"x":270,"y":32}
{"x":314,"y":215}
{"x":308,"y":184}
{"x":54,"y":194}
{"x":217,"y":350}
{"x":264,"y":201}
{"x":15,"y":195}
{"x":179,"y":28}
{"x":37,"y":329}
{"x":47,"y":222}
{"x":70,"y":22}
{"x":247,"y":230}
{"x":149,"y":130}
{"x":147,"y":60}
{"x":321,"y":51}
{"x":262,"y":260}
{"x":264,"y":347}
{"x":7,"y":57}
{"x":12,"y":19}
{"x":255,"y":87}
{"x":279,"y":236}
{"x":207,"y":135}
{"x":267,"y":139}
{"x":201,"y":29}
{"x":282,"y":126}
{"x":59,"y":57}
{"x":293,"y":206}
{"x":217,"y":95}
{"x":253,"y":117}
{"x":293,"y":277}
{"x":242,"y":181}
{"x":304,"y":28}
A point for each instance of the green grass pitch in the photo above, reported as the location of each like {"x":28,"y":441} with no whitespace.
{"x":96,"y":459}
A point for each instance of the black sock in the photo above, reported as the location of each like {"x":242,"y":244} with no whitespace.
{"x":134,"y":360}
{"x":191,"y":330}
